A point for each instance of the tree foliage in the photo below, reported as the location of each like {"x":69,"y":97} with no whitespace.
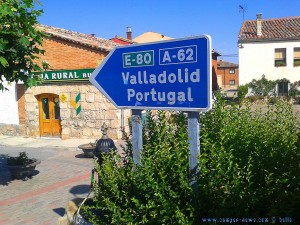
{"x":20,"y":41}
{"x":262,"y":87}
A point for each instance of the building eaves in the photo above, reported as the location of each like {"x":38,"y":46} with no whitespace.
{"x":78,"y":38}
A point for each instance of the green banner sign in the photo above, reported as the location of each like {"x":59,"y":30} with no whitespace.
{"x":66,"y":75}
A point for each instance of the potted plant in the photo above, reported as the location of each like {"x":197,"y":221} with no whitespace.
{"x":297,"y":62}
{"x":280,"y":63}
{"x":21,"y":166}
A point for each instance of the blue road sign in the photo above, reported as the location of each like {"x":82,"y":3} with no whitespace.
{"x":167,"y":75}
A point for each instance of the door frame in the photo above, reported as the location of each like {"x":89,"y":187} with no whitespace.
{"x":52,"y":121}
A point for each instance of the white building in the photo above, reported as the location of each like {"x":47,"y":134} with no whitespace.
{"x":269,"y":47}
{"x":9,"y":109}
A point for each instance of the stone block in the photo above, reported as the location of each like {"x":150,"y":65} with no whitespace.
{"x":90,"y":97}
{"x":66,"y":131}
{"x":65,"y":113}
{"x":85,"y":88}
{"x":76,"y":133}
{"x":100,"y":115}
{"x":112,"y":133}
{"x":87,"y":132}
{"x":110,"y":106}
{"x":29,"y":98}
{"x":99,"y":123}
{"x":81,"y":123}
{"x":115,"y":123}
{"x":91,"y":124}
{"x":65,"y":136}
{"x":110,"y":115}
{"x":99,"y":97}
{"x":30,"y":107}
{"x":97,"y":133}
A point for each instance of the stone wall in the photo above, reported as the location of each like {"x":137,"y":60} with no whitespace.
{"x":95,"y":110}
{"x":9,"y":129}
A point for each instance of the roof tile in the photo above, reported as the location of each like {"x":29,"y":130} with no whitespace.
{"x":275,"y":29}
{"x":79,"y":38}
{"x":225,"y":64}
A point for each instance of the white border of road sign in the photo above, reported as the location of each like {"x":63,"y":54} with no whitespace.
{"x":209,"y":80}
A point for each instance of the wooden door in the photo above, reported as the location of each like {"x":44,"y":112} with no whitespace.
{"x":49,"y":115}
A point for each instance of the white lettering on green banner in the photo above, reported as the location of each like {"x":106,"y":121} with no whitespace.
{"x":66,"y":75}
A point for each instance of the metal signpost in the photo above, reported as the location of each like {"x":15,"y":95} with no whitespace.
{"x":167,"y":75}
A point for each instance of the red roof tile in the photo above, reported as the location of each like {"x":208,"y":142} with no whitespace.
{"x":272,"y":29}
{"x":79,"y":38}
{"x":225,"y":64}
{"x":122,"y":39}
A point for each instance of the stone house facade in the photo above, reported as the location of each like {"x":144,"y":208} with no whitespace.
{"x":66,"y":104}
{"x":69,"y":107}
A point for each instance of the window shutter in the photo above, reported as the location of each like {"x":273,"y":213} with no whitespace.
{"x":296,"y":53}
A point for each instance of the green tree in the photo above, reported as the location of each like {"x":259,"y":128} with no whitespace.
{"x":20,"y":41}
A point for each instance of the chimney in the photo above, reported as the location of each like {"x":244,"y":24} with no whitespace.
{"x":129,"y":33}
{"x":259,"y":24}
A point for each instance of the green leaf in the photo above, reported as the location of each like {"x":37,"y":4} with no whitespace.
{"x":3,"y":61}
{"x":20,"y":42}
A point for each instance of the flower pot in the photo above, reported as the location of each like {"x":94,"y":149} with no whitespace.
{"x":87,"y":150}
{"x":21,"y":171}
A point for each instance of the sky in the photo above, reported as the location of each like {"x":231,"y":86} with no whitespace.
{"x":221,"y":19}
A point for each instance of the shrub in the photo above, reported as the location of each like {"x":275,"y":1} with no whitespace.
{"x":157,"y":191}
{"x":249,"y":167}
{"x":252,"y":98}
{"x":21,"y":160}
{"x":242,"y":92}
{"x":294,"y":92}
{"x":249,"y":163}
{"x":272,"y":100}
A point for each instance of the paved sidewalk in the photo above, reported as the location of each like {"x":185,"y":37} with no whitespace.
{"x":20,"y":141}
{"x":63,"y":174}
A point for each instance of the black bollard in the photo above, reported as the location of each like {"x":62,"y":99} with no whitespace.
{"x":104,"y":145}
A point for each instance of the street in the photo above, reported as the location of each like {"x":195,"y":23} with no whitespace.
{"x":62,"y":175}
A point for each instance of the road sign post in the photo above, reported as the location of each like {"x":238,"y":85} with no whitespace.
{"x":194,"y":145}
{"x":137,"y":140}
{"x":167,"y":75}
